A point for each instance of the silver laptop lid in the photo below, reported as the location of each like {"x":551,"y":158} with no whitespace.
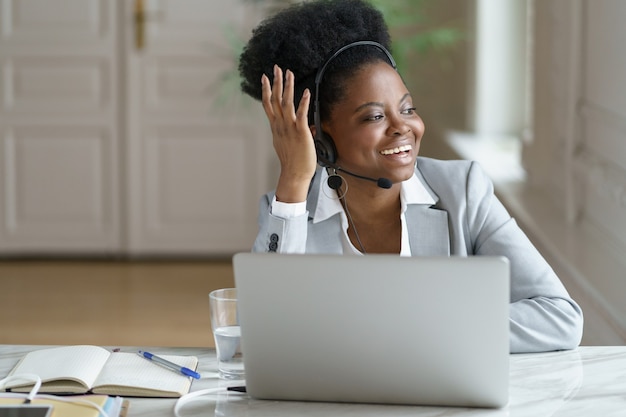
{"x":375,"y":328}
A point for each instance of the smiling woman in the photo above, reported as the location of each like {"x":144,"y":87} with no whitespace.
{"x":363,"y":123}
{"x":372,"y":123}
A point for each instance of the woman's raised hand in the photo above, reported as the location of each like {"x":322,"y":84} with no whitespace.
{"x":292,"y":138}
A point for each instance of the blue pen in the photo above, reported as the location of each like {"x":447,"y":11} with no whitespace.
{"x":168,"y":364}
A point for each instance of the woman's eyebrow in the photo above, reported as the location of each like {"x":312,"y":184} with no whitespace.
{"x":378,"y":104}
{"x":369,"y":104}
{"x":404,"y":97}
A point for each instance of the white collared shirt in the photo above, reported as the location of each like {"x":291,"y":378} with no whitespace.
{"x":412,"y":191}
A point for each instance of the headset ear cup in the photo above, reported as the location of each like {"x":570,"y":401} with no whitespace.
{"x":325,"y":148}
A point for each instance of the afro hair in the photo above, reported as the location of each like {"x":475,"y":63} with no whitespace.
{"x":303,"y":36}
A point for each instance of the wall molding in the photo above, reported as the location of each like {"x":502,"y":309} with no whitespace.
{"x":605,"y":178}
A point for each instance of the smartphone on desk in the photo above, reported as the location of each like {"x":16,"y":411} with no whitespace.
{"x":25,"y":410}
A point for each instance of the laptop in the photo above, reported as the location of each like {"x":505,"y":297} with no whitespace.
{"x":378,"y":329}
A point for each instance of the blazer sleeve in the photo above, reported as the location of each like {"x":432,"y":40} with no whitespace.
{"x":277,"y":234}
{"x":543,"y":317}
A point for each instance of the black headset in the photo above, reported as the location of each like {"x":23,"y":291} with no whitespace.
{"x":324,"y":145}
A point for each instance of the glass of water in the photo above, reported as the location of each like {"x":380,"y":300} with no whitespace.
{"x":226,"y":332}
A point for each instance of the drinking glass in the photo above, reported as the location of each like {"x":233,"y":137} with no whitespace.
{"x":226,"y":332}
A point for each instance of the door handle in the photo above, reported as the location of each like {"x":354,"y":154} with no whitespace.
{"x":140,"y":24}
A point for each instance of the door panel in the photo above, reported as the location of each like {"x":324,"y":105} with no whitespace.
{"x":28,"y":21}
{"x":180,"y":88}
{"x":197,"y":166}
{"x":188,"y":201}
{"x":52,"y":85}
{"x":58,"y":127}
{"x":59,"y":176}
{"x":108,"y":146}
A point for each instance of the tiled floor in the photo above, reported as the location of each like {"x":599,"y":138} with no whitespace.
{"x":109,"y":303}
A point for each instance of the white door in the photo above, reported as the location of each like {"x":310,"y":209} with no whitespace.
{"x":107,"y":147}
{"x":196,"y":166}
{"x":59,"y":138}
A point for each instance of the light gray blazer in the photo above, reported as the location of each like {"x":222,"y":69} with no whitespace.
{"x":467,"y":219}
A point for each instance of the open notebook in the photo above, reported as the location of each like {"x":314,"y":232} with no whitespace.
{"x":85,"y":368}
{"x":375,"y":328}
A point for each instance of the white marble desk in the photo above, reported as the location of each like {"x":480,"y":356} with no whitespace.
{"x":589,"y":381}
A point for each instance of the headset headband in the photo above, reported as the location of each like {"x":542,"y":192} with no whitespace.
{"x":320,"y":72}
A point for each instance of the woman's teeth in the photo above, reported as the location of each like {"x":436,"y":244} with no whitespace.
{"x":403,"y":148}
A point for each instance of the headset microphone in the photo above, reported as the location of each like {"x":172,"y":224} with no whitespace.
{"x":335,"y":181}
{"x":381,"y":182}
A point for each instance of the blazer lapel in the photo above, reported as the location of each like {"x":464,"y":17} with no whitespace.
{"x":427,"y":225}
{"x":314,"y":190}
{"x":428,"y":230}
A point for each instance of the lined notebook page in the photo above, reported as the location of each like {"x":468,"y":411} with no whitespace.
{"x":125,"y":369}
{"x":77,"y":362}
